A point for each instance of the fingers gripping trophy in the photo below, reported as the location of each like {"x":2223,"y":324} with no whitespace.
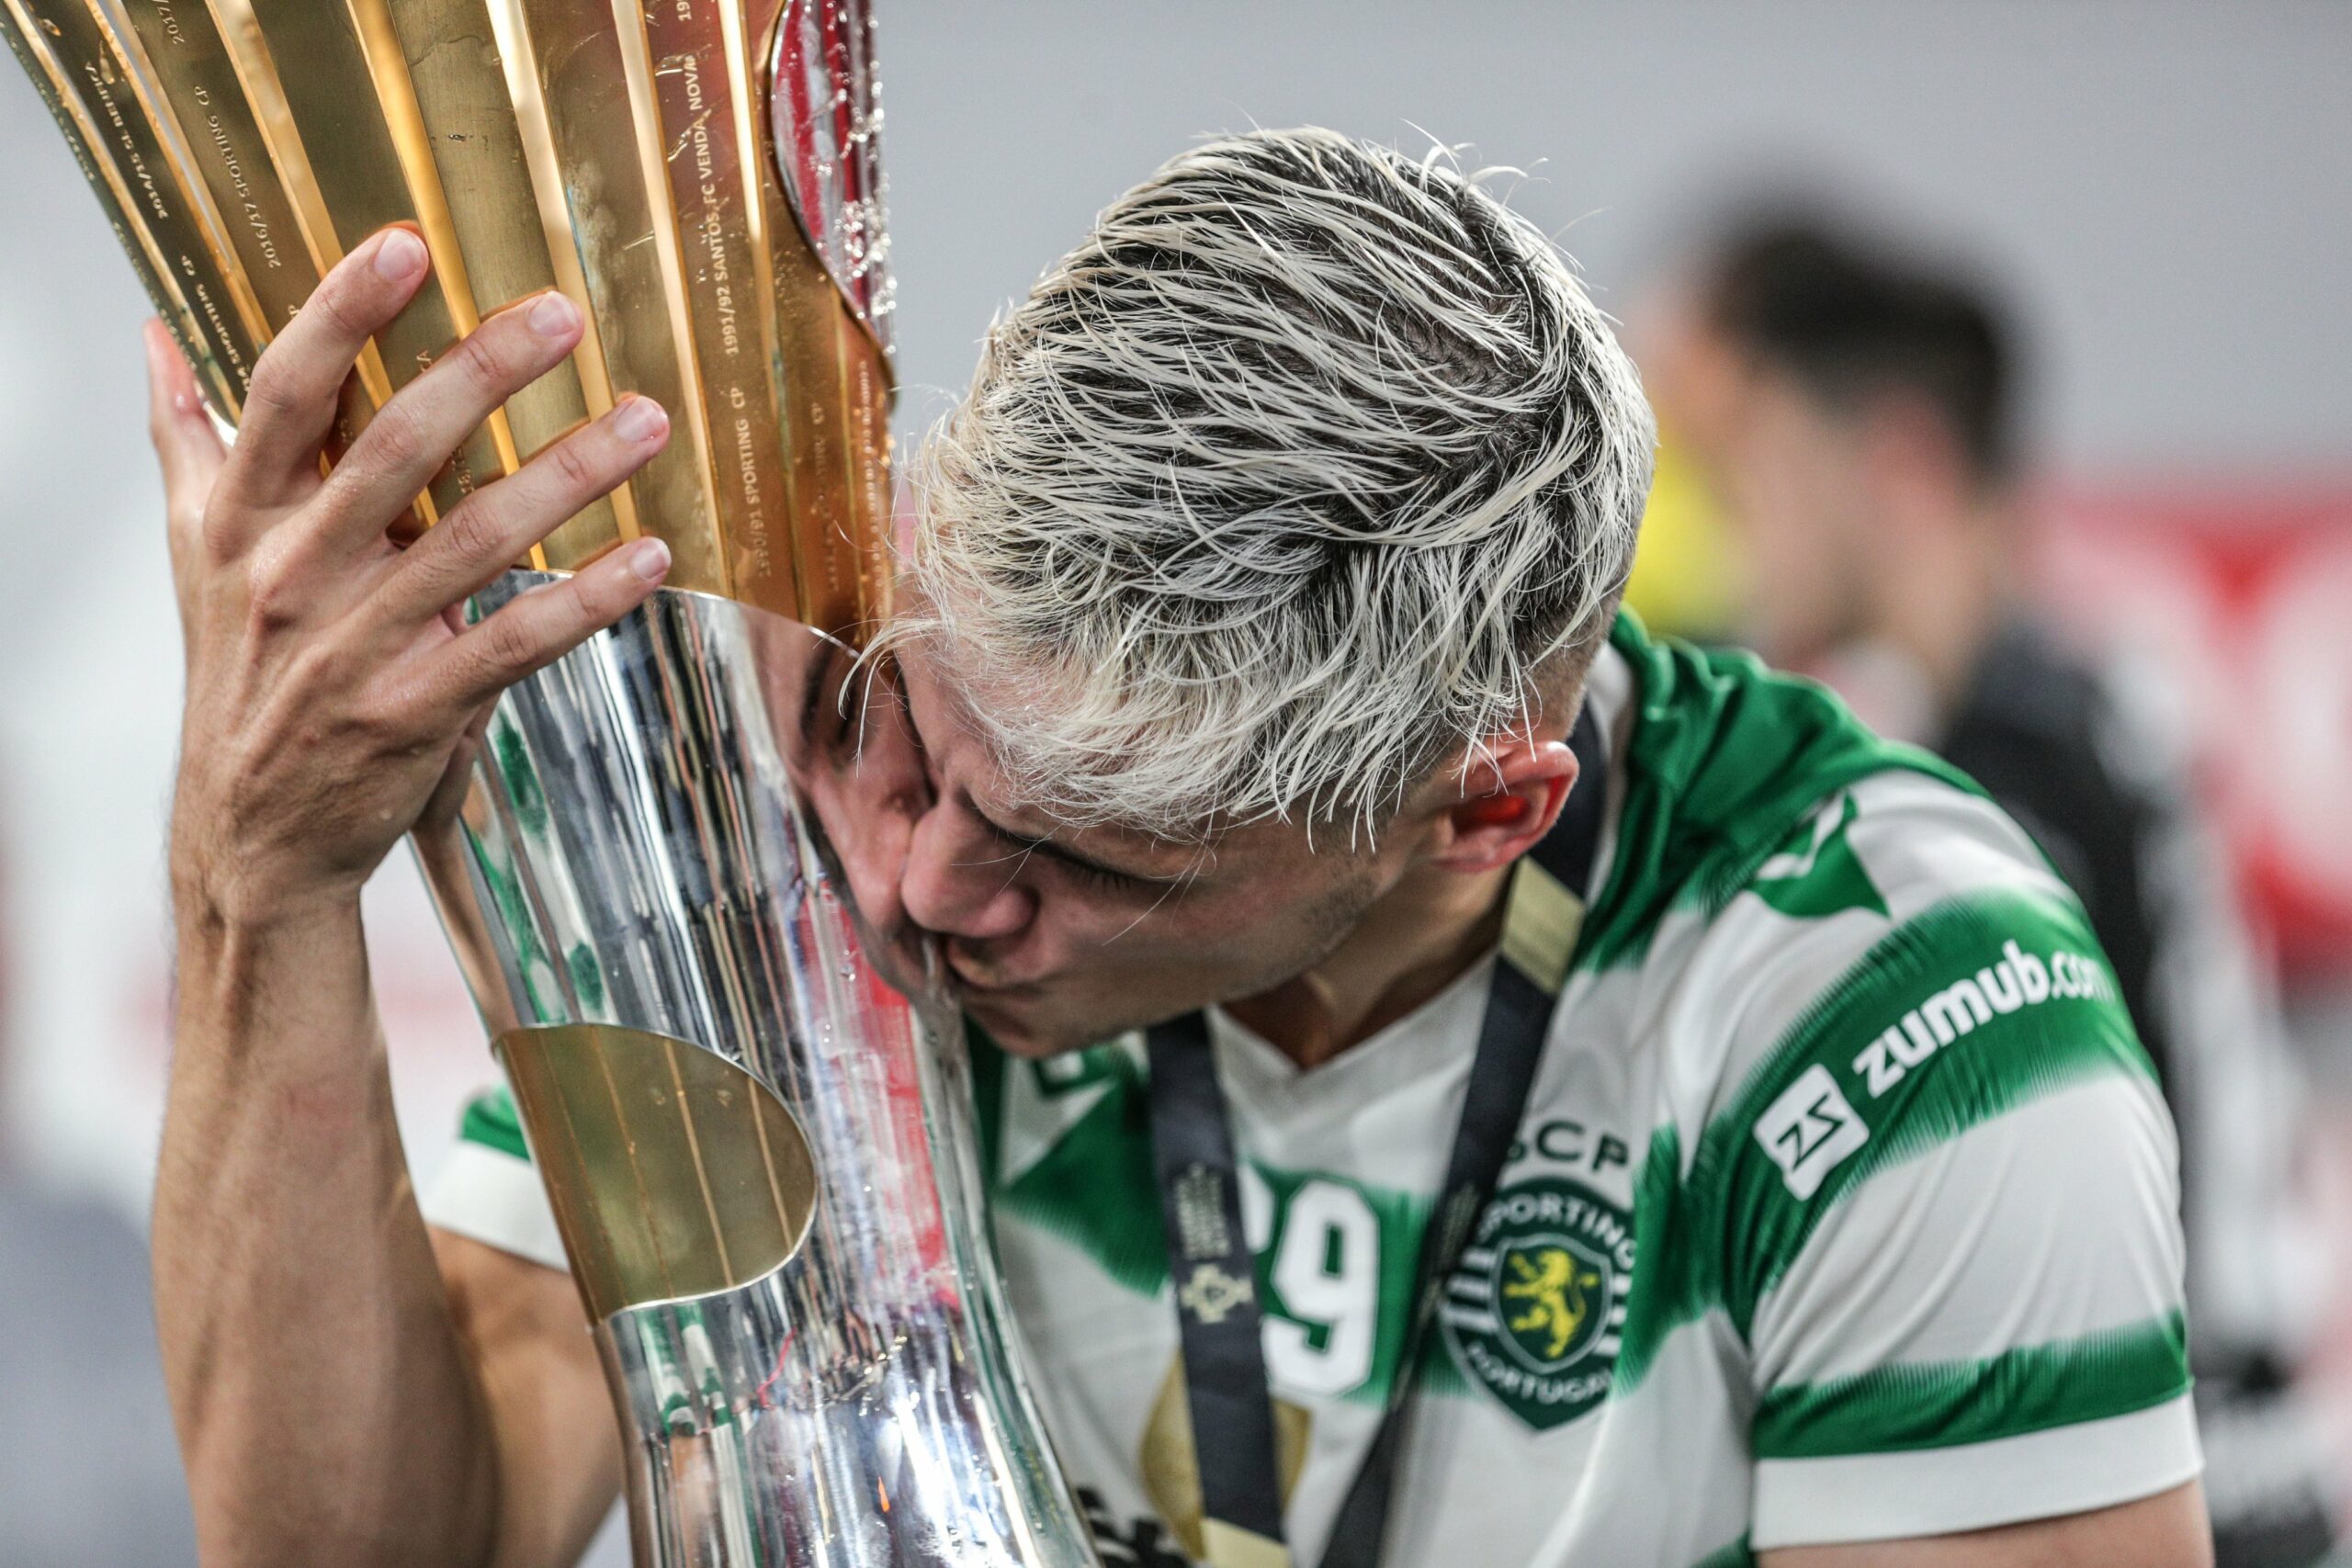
{"x":754,"y":1145}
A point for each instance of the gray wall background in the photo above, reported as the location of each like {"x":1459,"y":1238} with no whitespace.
{"x":2168,"y":183}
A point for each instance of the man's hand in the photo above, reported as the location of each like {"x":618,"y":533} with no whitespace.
{"x":331,"y":685}
{"x":447,"y":1408}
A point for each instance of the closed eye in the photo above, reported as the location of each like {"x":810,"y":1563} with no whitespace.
{"x":1099,"y":876}
{"x":1086,"y":871}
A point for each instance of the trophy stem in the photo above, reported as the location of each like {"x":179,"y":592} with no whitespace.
{"x":758,"y":1152}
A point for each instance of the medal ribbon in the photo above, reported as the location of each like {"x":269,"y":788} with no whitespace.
{"x":1214,"y":1274}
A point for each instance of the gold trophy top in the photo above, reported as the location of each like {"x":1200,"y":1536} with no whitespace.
{"x":700,"y":176}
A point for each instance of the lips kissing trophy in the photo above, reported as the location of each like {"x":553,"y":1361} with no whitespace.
{"x":757,"y":1150}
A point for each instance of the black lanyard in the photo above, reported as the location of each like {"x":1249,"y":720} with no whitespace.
{"x":1210,"y":1266}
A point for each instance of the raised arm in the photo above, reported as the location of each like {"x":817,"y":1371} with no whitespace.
{"x":337,"y":1399}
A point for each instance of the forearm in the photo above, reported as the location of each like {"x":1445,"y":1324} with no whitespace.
{"x":323,"y":1398}
{"x":325,"y":1375}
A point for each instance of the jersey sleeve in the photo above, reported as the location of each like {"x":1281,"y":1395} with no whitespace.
{"x":486,"y":1188}
{"x":1946,"y":1198}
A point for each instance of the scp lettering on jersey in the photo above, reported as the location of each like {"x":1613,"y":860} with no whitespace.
{"x":1563,"y":1140}
{"x":1535,"y":1310}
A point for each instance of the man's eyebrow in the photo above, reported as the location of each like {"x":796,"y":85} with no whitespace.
{"x":1069,"y":856}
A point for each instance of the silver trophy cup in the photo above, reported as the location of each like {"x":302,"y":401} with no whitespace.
{"x":757,"y":1149}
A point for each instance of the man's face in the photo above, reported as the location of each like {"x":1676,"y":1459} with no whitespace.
{"x":1060,"y":938}
{"x":1793,"y":477}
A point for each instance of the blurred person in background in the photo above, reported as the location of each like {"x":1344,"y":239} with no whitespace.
{"x":1851,"y":405}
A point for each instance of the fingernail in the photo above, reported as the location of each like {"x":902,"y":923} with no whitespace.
{"x":650,"y":560}
{"x":399,"y":257}
{"x":640,"y":418}
{"x":553,"y":315}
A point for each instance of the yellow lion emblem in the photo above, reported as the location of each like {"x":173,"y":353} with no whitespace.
{"x":1555,"y":1286}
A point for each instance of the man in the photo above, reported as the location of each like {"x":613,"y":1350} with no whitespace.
{"x":1856,"y":406}
{"x":1260,"y":626}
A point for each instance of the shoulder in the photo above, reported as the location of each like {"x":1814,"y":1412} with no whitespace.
{"x":1717,"y":762}
{"x":1847,"y":964}
{"x":1770,"y":850}
{"x":1911,"y":967}
{"x":1902,"y":968}
{"x":1888,"y":1051}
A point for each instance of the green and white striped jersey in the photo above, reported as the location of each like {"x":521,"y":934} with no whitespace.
{"x":1844,"y":1208}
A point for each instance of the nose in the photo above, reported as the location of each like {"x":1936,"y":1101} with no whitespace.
{"x":960,"y":881}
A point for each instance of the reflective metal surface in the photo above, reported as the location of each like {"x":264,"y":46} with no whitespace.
{"x":827,"y":107}
{"x":81,"y":71}
{"x":759,"y":1152}
{"x":626,"y":154}
{"x":315,"y":55}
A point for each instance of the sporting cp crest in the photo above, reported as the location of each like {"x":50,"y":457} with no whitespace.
{"x":1535,"y":1309}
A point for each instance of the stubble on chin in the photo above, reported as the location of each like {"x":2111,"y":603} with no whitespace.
{"x":1317,"y":930}
{"x":1031,"y":1039}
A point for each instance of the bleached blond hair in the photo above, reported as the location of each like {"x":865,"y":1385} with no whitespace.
{"x":1278,"y":494}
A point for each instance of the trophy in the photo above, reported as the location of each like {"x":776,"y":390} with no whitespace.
{"x":757,"y":1149}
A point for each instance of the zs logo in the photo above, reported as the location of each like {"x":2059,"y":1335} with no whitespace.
{"x":1810,"y":1131}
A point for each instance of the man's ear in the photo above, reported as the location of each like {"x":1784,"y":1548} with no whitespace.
{"x":1505,"y":805}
